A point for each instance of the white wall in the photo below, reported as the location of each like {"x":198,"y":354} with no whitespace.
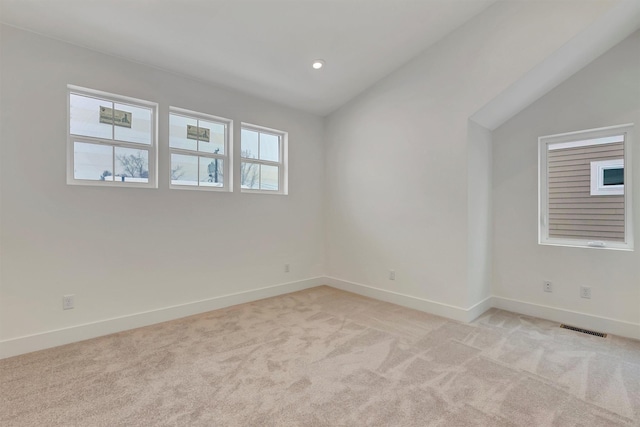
{"x":399,"y":164}
{"x":402,"y":183}
{"x":479,"y":213}
{"x":127,"y":251}
{"x":605,"y":93}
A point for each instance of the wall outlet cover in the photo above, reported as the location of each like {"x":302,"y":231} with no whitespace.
{"x":68,"y":302}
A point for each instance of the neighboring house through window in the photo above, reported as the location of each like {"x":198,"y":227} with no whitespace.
{"x":585,"y":188}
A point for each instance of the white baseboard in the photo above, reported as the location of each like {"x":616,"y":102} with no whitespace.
{"x":428,"y":306}
{"x":479,"y":308}
{"x":573,"y":318}
{"x":582,"y":320}
{"x":54,"y":338}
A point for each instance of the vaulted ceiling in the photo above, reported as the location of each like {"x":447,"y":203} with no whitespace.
{"x":261,"y":47}
{"x":265,"y":47}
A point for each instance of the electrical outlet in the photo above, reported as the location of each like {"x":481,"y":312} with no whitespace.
{"x":547,"y":286}
{"x":67,"y":302}
{"x":585,"y":292}
{"x":392,"y":275}
{"x":286,"y":268}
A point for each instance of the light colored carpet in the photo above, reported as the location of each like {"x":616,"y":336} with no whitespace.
{"x":323,"y":357}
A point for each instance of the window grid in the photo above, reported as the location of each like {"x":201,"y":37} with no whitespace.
{"x":199,"y":154}
{"x":77,"y":139}
{"x":280,"y":164}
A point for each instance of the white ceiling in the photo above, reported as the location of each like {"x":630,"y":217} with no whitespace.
{"x":261,"y":47}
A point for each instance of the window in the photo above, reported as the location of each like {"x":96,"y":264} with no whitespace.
{"x":199,"y":146}
{"x":585,"y":188}
{"x":111,"y":140}
{"x":263,"y":160}
{"x":607,"y":177}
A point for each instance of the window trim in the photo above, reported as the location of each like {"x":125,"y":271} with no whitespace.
{"x":567,"y":139}
{"x":227,"y":157}
{"x":282,"y":163}
{"x":152,"y":148}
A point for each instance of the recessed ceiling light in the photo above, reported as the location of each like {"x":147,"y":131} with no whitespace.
{"x":317,"y":64}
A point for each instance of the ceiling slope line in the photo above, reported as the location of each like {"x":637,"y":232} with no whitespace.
{"x":603,"y":34}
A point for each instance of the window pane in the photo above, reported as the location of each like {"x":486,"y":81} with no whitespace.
{"x":92,"y":161}
{"x":184,"y":169}
{"x":249,"y":175}
{"x":269,"y":177}
{"x":269,"y":147}
{"x":211,"y":172}
{"x":178,"y":137}
{"x":249,"y":144}
{"x":132,"y":124}
{"x":85,"y":117}
{"x":132,"y":165}
{"x":211,"y":137}
{"x":613,"y":176}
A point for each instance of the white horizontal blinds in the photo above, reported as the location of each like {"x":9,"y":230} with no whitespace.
{"x":573,"y":212}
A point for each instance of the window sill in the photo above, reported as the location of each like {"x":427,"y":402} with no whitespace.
{"x":584,"y":245}
{"x":273,"y":193}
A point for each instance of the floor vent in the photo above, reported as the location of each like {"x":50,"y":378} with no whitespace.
{"x":584,"y":331}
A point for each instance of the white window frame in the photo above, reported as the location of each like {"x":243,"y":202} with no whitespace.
{"x":597,"y":178}
{"x":151,"y":148}
{"x":282,"y":163}
{"x":227,"y":157}
{"x":582,"y":138}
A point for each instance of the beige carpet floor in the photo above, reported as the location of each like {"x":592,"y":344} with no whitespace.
{"x":323,"y":357}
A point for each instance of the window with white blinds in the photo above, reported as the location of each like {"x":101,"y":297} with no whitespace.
{"x":585,"y":196}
